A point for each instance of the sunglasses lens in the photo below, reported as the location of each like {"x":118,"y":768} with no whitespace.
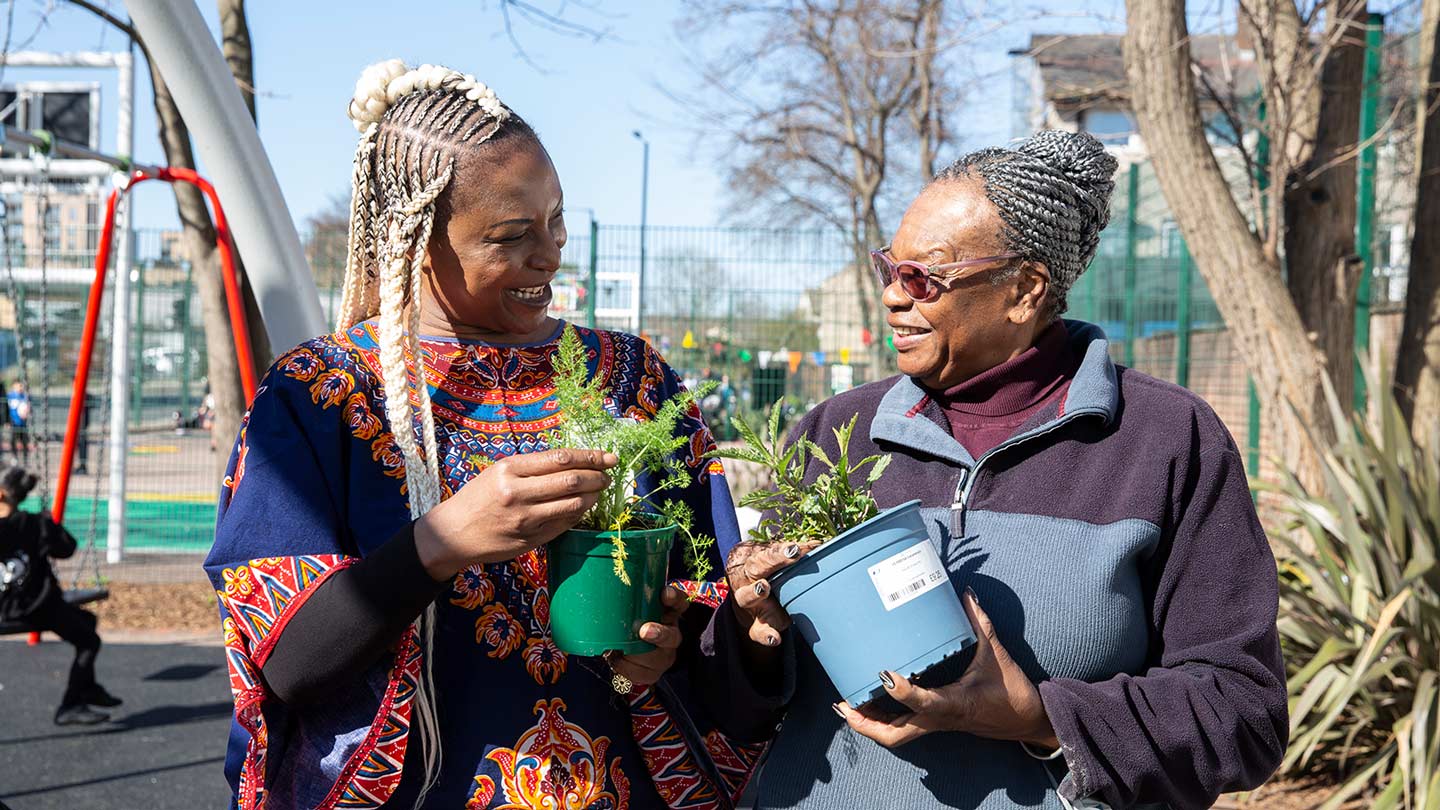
{"x":883,"y":269}
{"x":914,"y":282}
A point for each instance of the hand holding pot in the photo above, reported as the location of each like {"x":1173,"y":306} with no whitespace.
{"x":517,"y":504}
{"x":993,"y":699}
{"x":748,"y":569}
{"x":646,"y":668}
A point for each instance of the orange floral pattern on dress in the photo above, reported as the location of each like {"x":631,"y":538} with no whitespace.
{"x":499,"y":630}
{"x":543,"y":660}
{"x":556,"y":765}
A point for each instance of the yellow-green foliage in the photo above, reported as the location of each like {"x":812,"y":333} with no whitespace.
{"x":642,"y":446}
{"x":1360,"y":616}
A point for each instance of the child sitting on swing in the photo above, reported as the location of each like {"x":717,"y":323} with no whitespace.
{"x":30,"y":593}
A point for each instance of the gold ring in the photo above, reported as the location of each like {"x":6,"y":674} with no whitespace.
{"x":621,"y":684}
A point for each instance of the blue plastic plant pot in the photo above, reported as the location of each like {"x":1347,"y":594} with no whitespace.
{"x":875,"y":598}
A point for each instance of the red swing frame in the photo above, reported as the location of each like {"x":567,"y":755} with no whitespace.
{"x":234,"y":301}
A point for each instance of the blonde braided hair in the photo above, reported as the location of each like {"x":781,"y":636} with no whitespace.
{"x":414,"y":124}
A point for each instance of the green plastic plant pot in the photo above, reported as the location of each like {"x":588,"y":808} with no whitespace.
{"x":591,"y":610}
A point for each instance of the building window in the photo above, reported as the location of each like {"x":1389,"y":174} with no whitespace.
{"x":1169,"y":239}
{"x":1109,"y":126}
{"x":92,"y":225}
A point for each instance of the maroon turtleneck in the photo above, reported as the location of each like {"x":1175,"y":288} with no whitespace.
{"x":986,"y":409}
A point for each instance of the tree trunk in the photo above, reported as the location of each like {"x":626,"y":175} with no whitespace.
{"x":1323,"y":269}
{"x":1246,"y":285}
{"x":199,"y":235}
{"x":235,"y":44}
{"x":1417,"y":364}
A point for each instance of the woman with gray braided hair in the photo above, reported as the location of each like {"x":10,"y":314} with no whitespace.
{"x":1096,"y":520}
{"x":380,"y":555}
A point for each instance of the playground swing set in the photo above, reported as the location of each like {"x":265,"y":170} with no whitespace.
{"x":43,"y":145}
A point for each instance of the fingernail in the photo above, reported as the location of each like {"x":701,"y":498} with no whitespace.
{"x":836,"y":707}
{"x":973,"y":597}
{"x":887,"y":680}
{"x":649,"y":633}
{"x":792,"y":551}
{"x":773,"y":639}
{"x":761,"y":589}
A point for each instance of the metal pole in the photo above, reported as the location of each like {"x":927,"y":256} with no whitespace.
{"x":228,"y":145}
{"x":1132,"y":326}
{"x":1365,"y":194}
{"x":119,"y":449}
{"x":137,"y":387}
{"x":185,"y":370}
{"x":644,"y":209}
{"x":594,"y":291}
{"x":1182,"y":318}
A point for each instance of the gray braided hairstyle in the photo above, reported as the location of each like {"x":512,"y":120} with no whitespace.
{"x":416,"y":125}
{"x":1053,"y":193}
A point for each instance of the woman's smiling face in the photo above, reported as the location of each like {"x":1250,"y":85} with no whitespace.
{"x":498,"y":233}
{"x":975,"y":324}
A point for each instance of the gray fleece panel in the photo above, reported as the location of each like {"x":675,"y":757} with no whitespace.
{"x":1065,"y":598}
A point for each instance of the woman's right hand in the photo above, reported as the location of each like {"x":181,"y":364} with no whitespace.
{"x":748,"y":569}
{"x":517,"y":504}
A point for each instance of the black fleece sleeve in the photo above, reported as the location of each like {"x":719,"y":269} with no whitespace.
{"x":350,"y":621}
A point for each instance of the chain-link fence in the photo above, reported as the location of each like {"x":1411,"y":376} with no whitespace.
{"x":770,"y":314}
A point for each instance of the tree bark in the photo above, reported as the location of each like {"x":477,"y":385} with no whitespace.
{"x":1417,"y":364}
{"x":199,"y":236}
{"x":235,"y":44}
{"x":1244,"y":281}
{"x":1323,"y":269}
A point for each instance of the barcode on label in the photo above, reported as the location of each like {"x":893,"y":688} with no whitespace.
{"x":905,"y":576}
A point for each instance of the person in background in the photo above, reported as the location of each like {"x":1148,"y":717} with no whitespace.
{"x":18,"y":400}
{"x":30,"y":593}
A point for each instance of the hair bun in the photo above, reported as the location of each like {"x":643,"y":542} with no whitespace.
{"x":1080,"y":157}
{"x":382,"y":84}
{"x":372,"y":92}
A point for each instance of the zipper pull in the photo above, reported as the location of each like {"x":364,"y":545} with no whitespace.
{"x":957,"y":507}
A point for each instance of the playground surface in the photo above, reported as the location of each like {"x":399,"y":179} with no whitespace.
{"x":163,"y":750}
{"x":172,"y":479}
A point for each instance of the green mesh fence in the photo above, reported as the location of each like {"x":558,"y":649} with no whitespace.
{"x":772,"y":313}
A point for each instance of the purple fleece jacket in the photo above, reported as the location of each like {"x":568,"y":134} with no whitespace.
{"x":1114,"y":544}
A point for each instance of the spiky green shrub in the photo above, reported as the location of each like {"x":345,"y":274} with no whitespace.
{"x":1360,"y":616}
{"x":798,"y":511}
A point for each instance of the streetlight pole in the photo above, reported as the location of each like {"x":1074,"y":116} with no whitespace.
{"x":644,"y":208}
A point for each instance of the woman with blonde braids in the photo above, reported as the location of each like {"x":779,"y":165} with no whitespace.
{"x":380,"y":553}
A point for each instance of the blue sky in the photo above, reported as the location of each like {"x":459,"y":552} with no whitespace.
{"x":585,"y":98}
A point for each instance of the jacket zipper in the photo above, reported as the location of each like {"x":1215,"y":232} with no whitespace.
{"x":966,"y":482}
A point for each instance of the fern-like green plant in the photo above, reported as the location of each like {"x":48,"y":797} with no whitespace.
{"x":1360,"y":615}
{"x":642,"y":446}
{"x":796,"y":511}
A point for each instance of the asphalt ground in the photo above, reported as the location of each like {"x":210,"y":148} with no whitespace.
{"x":163,"y":749}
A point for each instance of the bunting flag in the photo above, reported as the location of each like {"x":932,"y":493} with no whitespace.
{"x":890,"y":342}
{"x":765,"y":358}
{"x":845,"y":356}
{"x":795,"y":358}
{"x":818,"y":358}
{"x":746,"y":356}
{"x":866,"y":338}
{"x":688,"y":342}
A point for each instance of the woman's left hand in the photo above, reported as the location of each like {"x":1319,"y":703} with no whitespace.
{"x":643,"y":669}
{"x":992,"y":699}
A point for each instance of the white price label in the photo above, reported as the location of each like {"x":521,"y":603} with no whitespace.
{"x":904,"y":576}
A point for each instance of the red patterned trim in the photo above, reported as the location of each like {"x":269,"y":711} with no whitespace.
{"x":258,"y":600}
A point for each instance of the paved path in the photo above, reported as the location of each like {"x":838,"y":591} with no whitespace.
{"x":163,"y":750}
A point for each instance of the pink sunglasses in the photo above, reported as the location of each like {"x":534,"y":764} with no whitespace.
{"x":925,"y":282}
